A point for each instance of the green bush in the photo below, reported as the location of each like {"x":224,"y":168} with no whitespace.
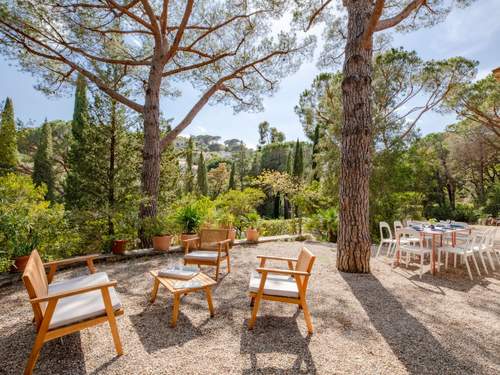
{"x":278,"y":227}
{"x":462,"y":212}
{"x":189,"y":218}
{"x":324,"y":224}
{"x":493,"y":203}
{"x":28,"y":221}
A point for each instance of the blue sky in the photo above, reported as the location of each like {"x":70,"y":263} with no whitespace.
{"x":473,"y":32}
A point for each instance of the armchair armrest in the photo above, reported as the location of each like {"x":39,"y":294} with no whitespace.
{"x":61,"y":262}
{"x":89,"y":259}
{"x":282,"y":272}
{"x":277,"y":258}
{"x":69,"y":293}
{"x":191,"y":239}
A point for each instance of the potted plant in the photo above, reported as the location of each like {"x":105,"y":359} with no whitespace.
{"x":126,"y":227}
{"x":226,"y":219}
{"x":21,"y":253}
{"x":252,"y":221}
{"x":189,"y":218}
{"x":161,"y":230}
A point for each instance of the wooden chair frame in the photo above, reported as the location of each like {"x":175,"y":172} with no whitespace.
{"x":222,"y":247}
{"x":301,"y":278}
{"x":44,"y":307}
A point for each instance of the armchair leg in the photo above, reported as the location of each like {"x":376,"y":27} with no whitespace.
{"x":228,"y":263}
{"x":37,"y":346}
{"x":40,"y":338}
{"x":112,"y":321}
{"x":252,"y":301}
{"x":255,"y":310}
{"x":217,"y":271}
{"x":307,"y":317}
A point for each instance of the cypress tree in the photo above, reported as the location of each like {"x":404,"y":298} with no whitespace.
{"x":189,"y":166}
{"x":255,"y":168}
{"x":74,"y":191}
{"x":232,"y":181}
{"x":242,"y":161}
{"x":289,"y":163}
{"x":202,"y":176}
{"x":315,"y":151}
{"x":43,"y":169}
{"x":298,"y":161}
{"x":8,"y":141}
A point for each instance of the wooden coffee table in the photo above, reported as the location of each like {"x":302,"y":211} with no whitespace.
{"x":206,"y":284}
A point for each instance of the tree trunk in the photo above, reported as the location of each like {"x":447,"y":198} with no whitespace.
{"x":151,"y":154}
{"x":277,"y":206}
{"x":354,"y":246}
{"x":111,"y":169}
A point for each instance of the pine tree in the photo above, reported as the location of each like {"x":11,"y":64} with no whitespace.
{"x":8,"y":141}
{"x":189,"y":166}
{"x":74,"y":191}
{"x":298,"y":161}
{"x":232,"y":180}
{"x":315,"y":152}
{"x":202,"y":176}
{"x":43,"y":169}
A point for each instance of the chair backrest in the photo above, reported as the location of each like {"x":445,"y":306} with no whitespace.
{"x":409,"y":232}
{"x":209,"y":237}
{"x":397,"y":225}
{"x":305,"y":262}
{"x":36,"y":283}
{"x":490,"y":238}
{"x":383,"y":225}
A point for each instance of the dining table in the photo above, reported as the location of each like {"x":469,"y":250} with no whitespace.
{"x":436,"y":233}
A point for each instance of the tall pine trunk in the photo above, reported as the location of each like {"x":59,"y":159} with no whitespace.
{"x":111,"y":170}
{"x":150,"y":176}
{"x":354,"y":247}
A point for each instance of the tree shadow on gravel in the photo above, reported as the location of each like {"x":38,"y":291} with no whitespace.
{"x":59,"y":356}
{"x":153,"y":328}
{"x":414,"y":345}
{"x":277,"y":335}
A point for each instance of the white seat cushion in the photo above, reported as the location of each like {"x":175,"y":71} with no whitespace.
{"x":276,"y":285}
{"x":81,"y":306}
{"x":204,"y":255}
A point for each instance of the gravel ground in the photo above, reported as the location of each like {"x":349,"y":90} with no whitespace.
{"x":389,"y":322}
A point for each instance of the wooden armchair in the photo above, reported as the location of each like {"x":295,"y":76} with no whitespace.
{"x":211,"y":247}
{"x":70,"y":305}
{"x":282,"y":285}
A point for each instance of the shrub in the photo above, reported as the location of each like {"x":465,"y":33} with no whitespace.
{"x":493,"y":203}
{"x":28,"y":221}
{"x":324,"y":224}
{"x":251,"y":220}
{"x":189,"y":218}
{"x":160,"y":225}
{"x":240,"y":203}
{"x":278,"y":227}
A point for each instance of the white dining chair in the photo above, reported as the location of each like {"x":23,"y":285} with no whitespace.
{"x":406,"y":248}
{"x":487,"y":248}
{"x":464,"y":250}
{"x":385,"y":238}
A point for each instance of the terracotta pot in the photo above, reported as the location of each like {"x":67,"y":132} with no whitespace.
{"x":162,"y":243}
{"x":19,"y":264}
{"x":119,"y":246}
{"x":187,"y":236}
{"x":252,"y":235}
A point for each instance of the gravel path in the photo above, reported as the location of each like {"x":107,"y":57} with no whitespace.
{"x":389,"y":322}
